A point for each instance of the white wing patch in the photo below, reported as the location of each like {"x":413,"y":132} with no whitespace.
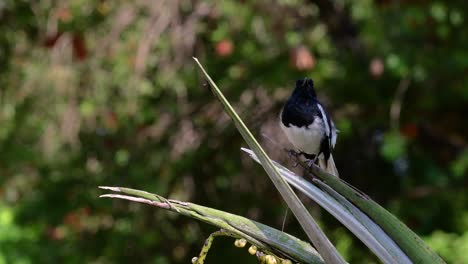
{"x":330,"y":132}
{"x":334,"y":134}
{"x":325,"y":119}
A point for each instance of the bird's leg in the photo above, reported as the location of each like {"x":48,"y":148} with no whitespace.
{"x":292,"y":153}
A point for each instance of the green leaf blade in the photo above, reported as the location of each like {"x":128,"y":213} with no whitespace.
{"x":261,"y":235}
{"x":409,"y":242}
{"x":350,"y":216}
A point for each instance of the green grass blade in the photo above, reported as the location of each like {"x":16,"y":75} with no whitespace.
{"x":311,"y":228}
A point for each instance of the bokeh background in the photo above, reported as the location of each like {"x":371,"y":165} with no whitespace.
{"x":106,"y":93}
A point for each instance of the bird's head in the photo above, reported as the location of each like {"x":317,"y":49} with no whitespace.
{"x":304,"y":89}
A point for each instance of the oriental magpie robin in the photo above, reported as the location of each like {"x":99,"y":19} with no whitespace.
{"x":308,"y":127}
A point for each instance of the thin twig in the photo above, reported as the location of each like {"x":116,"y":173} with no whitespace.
{"x":208,"y":242}
{"x":284,"y":219}
{"x":395,"y":108}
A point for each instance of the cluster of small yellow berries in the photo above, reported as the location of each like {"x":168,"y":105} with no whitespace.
{"x":264,"y":258}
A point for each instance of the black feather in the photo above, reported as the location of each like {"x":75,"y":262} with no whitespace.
{"x":301,"y":108}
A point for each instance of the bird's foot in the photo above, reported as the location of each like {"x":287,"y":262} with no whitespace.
{"x":312,"y":161}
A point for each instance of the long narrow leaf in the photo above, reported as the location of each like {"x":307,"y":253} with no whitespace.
{"x":409,"y":242}
{"x":350,"y":216}
{"x":376,"y":231}
{"x":269,"y":239}
{"x":311,"y":228}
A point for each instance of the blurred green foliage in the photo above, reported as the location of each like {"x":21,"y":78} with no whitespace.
{"x":105,"y":93}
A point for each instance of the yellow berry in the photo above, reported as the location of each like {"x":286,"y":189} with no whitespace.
{"x":240,"y":243}
{"x":269,"y":259}
{"x":286,"y":261}
{"x":194,"y":260}
{"x":252,"y":250}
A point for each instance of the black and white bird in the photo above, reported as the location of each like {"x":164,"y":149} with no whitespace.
{"x":308,"y":126}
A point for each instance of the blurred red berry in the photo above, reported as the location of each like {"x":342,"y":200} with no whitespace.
{"x":301,"y":59}
{"x":376,"y":68}
{"x":224,"y":48}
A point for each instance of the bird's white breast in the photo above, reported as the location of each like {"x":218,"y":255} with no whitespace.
{"x":306,"y":139}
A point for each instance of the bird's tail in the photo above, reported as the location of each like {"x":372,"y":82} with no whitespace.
{"x":328,"y":166}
